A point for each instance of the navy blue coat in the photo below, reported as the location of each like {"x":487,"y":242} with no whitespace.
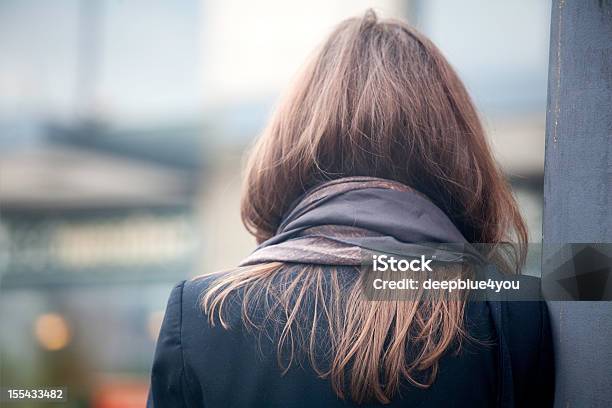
{"x":197,"y":365}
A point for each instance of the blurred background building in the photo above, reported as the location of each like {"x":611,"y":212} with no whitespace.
{"x":123,"y":126}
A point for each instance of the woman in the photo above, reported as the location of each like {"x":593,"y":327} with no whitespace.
{"x":378,"y":148}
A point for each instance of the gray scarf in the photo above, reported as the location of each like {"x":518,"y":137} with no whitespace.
{"x":342,"y":221}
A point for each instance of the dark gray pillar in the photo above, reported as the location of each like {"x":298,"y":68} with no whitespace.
{"x":578,"y":187}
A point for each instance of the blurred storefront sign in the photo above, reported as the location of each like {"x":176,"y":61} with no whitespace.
{"x":97,"y":248}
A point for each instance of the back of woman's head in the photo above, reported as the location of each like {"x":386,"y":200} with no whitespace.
{"x":379,"y":99}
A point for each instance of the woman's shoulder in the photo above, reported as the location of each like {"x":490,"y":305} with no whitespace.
{"x":190,"y":294}
{"x":184,"y":300}
{"x":185,"y":343}
{"x":522,"y":306}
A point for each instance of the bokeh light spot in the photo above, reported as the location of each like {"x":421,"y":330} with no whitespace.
{"x":52,"y":331}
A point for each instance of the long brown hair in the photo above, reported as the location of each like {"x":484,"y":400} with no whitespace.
{"x":377,"y":99}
